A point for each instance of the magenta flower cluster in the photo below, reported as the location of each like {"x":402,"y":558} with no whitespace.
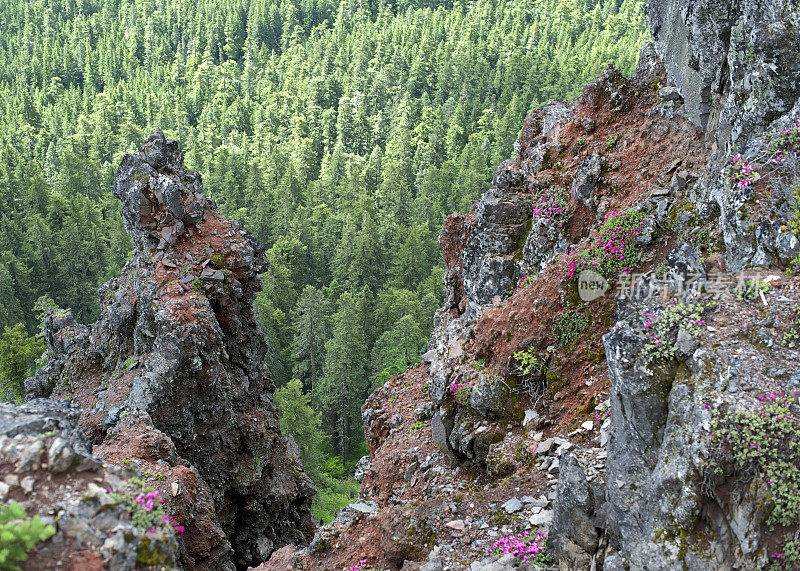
{"x":522,"y":545}
{"x":742,"y":173}
{"x":603,"y":414}
{"x":179,"y":529}
{"x":782,"y":148}
{"x":360,"y":566}
{"x":146,"y":500}
{"x":787,"y":140}
{"x":552,"y":207}
{"x":461,"y":390}
{"x":521,"y":284}
{"x":612,"y":247}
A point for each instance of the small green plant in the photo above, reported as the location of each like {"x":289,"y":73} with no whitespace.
{"x":612,"y":141}
{"x":792,"y":333}
{"x":532,"y":370}
{"x":750,"y":289}
{"x":570,"y":324}
{"x":661,"y":270}
{"x":18,"y":534}
{"x":662,"y":330}
{"x":521,"y":284}
{"x":217,"y":260}
{"x":145,"y":507}
{"x":479,"y":364}
{"x":521,"y":453}
{"x":528,"y":362}
{"x":579,"y":143}
{"x":197,"y":285}
{"x":794,"y":265}
{"x":794,"y":223}
{"x":416,"y":425}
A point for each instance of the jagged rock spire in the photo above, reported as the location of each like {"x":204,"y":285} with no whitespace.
{"x":160,"y":196}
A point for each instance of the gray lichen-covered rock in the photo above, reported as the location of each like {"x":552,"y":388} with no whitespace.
{"x":736,"y":66}
{"x":578,"y":516}
{"x":587,"y":178}
{"x":177,"y":340}
{"x":658,"y":449}
{"x":63,"y":337}
{"x":46,"y":464}
{"x":489,"y":266}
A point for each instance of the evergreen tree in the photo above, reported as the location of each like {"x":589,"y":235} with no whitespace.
{"x":343,"y":386}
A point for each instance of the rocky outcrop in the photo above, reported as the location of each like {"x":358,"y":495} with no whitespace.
{"x":46,"y":464}
{"x":177,"y":348}
{"x":617,"y":144}
{"x":724,"y":76}
{"x":736,"y":66}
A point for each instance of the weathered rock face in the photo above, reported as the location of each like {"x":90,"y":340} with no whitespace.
{"x":736,"y":66}
{"x":178,"y":342}
{"x":663,"y":506}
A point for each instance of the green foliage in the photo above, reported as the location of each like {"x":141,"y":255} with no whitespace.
{"x":794,"y":223}
{"x":18,"y":534}
{"x":305,"y":426}
{"x":343,"y":386}
{"x":792,"y":332}
{"x":311,"y":324}
{"x":397,"y":349}
{"x":328,"y":501}
{"x":18,"y":354}
{"x":570,"y":323}
{"x":528,"y":363}
{"x":750,"y":289}
{"x":612,"y":141}
{"x":44,"y":304}
{"x":765,"y":443}
{"x":416,"y":425}
{"x":217,"y":260}
{"x":662,"y":330}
